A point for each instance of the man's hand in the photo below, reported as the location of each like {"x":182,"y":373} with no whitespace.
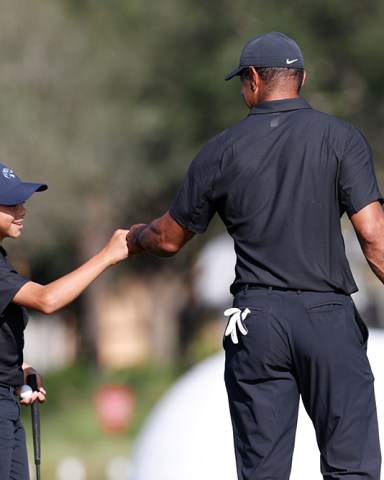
{"x":162,"y":237}
{"x":133,"y":240}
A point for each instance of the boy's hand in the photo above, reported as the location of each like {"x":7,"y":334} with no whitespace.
{"x":116,"y":248}
{"x":40,"y":393}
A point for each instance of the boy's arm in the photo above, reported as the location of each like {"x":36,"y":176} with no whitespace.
{"x":57,"y":294}
{"x":163,"y":237}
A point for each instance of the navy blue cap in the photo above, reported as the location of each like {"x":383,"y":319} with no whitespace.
{"x":272,"y":49}
{"x":12,"y":190}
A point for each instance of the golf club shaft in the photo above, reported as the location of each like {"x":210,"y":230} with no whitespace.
{"x":35,"y":415}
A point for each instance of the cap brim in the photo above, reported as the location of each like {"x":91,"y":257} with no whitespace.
{"x":21,"y":192}
{"x":234,"y":73}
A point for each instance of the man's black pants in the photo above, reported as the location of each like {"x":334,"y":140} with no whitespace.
{"x":309,"y":344}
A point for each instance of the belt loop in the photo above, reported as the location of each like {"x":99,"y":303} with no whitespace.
{"x":246,"y":289}
{"x":299,"y":292}
{"x":270,"y":289}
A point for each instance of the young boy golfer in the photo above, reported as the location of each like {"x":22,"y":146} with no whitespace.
{"x":18,"y":293}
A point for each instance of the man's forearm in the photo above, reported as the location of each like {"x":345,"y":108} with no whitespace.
{"x":369,"y":226}
{"x":375,"y":259}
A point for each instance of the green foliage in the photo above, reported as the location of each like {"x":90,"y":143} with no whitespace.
{"x":108,"y":101}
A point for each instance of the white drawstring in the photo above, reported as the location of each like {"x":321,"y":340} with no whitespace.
{"x":236,"y":320}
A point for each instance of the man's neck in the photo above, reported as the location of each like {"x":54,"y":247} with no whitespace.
{"x":279,"y":96}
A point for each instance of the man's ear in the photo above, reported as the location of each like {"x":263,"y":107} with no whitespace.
{"x":304,"y":77}
{"x":254,"y":79}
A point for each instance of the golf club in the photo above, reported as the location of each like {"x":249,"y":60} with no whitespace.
{"x":35,"y":415}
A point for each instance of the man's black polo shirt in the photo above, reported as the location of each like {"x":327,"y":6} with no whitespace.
{"x":280,"y":180}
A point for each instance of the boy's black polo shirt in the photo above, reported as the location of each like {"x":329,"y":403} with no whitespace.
{"x":280,"y":180}
{"x":13,"y":320}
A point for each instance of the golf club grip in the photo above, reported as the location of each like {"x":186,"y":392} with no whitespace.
{"x":35,"y":413}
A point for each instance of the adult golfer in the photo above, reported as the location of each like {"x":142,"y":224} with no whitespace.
{"x":18,"y":292}
{"x":280,"y":180}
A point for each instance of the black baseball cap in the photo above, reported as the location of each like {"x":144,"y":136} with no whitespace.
{"x":12,"y":190}
{"x":272,"y":49}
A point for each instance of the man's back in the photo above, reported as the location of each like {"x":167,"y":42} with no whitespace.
{"x":280,"y":179}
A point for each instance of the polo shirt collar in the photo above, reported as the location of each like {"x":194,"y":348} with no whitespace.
{"x":275,"y":106}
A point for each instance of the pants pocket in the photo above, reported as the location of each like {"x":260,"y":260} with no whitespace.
{"x":362,"y":327}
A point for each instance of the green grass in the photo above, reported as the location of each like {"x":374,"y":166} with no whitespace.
{"x":69,"y":421}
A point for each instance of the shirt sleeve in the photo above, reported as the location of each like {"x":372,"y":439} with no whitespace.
{"x":358,"y":185}
{"x":194,"y":207}
{"x":10,"y":283}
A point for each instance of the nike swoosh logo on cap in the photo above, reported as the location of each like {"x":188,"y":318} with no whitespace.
{"x":288,"y":62}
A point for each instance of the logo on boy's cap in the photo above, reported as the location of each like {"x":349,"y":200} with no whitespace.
{"x":8,"y":173}
{"x":13,"y":190}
